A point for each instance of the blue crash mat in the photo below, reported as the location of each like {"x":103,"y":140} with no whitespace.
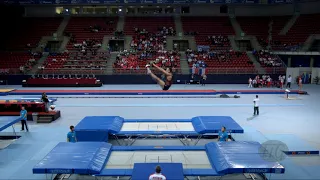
{"x":240,"y":157}
{"x":98,"y":128}
{"x":74,"y":158}
{"x":172,"y":171}
{"x":7,"y":121}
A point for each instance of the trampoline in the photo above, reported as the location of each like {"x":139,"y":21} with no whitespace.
{"x":101,"y":128}
{"x":7,"y":121}
{"x":103,"y":159}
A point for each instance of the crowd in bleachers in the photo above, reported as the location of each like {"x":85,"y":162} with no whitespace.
{"x":75,"y":60}
{"x":151,"y":41}
{"x":213,"y":58}
{"x":267,"y":59}
{"x":18,"y":62}
{"x":89,"y":45}
{"x":218,"y":40}
{"x":135,"y":60}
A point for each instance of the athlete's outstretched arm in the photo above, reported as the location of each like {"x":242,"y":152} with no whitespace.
{"x":162,"y":70}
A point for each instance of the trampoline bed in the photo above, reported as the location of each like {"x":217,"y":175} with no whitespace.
{"x":103,"y":159}
{"x":99,"y":128}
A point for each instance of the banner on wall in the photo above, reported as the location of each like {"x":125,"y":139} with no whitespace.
{"x":97,"y":2}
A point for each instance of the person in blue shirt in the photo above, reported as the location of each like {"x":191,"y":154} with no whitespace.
{"x":223,"y":135}
{"x":23,"y":115}
{"x":71,"y":137}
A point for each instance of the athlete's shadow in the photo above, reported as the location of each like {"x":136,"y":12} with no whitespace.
{"x":253,"y":117}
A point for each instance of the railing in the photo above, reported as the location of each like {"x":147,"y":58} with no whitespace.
{"x":105,"y":71}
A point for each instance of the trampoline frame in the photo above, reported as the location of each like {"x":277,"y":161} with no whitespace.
{"x":131,"y":139}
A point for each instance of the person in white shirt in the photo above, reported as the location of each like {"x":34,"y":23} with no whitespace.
{"x":289,"y":82}
{"x":250,"y":83}
{"x":256,"y":106}
{"x":157,"y":175}
{"x":284,"y":79}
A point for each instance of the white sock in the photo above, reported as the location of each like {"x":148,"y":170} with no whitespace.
{"x":148,"y":71}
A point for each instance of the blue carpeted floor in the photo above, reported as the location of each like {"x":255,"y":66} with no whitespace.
{"x":277,"y":116}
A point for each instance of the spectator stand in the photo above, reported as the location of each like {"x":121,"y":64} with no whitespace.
{"x":270,"y":62}
{"x":214,"y":61}
{"x":135,"y":61}
{"x":17,"y":62}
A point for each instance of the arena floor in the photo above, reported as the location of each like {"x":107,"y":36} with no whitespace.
{"x":299,"y":117}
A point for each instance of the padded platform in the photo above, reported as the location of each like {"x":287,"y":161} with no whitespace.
{"x":98,"y":128}
{"x":7,"y":121}
{"x":147,"y":92}
{"x":74,"y":158}
{"x":90,"y":158}
{"x":172,"y":171}
{"x":240,"y":157}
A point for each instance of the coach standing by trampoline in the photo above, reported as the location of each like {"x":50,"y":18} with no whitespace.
{"x":23,"y":115}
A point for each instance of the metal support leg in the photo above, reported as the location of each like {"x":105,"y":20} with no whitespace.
{"x":117,"y":139}
{"x":182,"y":141}
{"x":133,"y":141}
{"x":14,"y":131}
{"x":198,"y":139}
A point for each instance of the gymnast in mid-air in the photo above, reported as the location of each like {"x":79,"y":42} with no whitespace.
{"x":164,"y":84}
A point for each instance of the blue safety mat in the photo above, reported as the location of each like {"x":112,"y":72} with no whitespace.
{"x":240,"y":157}
{"x":213,"y":124}
{"x":7,"y":121}
{"x":296,"y":146}
{"x":172,"y":171}
{"x":97,"y":128}
{"x":74,"y":158}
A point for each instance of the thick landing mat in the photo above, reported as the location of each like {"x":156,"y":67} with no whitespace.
{"x":7,"y":121}
{"x":98,"y":128}
{"x":147,"y":92}
{"x":74,"y":158}
{"x":90,"y":158}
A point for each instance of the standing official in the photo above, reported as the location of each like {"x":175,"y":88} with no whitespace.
{"x":256,"y":106}
{"x":23,"y":115}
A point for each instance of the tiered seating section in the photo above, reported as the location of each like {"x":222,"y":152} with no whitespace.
{"x":150,"y":24}
{"x":224,"y":62}
{"x":304,"y":27}
{"x":11,"y":62}
{"x":75,"y":63}
{"x":89,"y":28}
{"x":269,"y":61}
{"x":203,"y":27}
{"x":148,"y":44}
{"x":259,"y":26}
{"x":135,"y":62}
{"x":30,"y":31}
